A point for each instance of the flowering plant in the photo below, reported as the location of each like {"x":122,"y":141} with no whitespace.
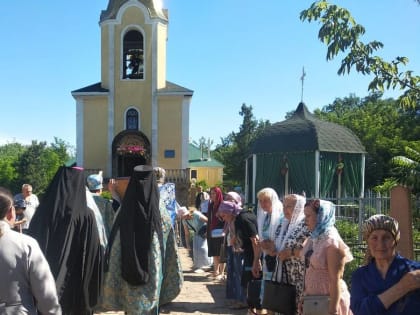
{"x":131,"y":149}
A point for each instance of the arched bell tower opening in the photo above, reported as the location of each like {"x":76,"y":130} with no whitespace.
{"x":129,"y":149}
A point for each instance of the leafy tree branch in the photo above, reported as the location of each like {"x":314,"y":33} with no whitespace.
{"x":341,"y":33}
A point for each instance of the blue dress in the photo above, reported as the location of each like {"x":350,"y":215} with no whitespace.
{"x":367,"y":283}
{"x":200,"y":250}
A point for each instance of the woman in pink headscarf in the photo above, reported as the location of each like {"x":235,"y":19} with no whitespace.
{"x":245,"y":241}
{"x":215,"y":224}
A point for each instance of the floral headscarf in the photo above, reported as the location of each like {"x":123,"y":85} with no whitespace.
{"x":276,"y":213}
{"x":297,"y":217}
{"x":324,"y":228}
{"x":325,"y":218}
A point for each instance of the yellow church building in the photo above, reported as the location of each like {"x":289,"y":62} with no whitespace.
{"x":133,"y":115}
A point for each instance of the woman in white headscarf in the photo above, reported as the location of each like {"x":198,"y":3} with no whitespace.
{"x":270,"y":217}
{"x":290,"y":241}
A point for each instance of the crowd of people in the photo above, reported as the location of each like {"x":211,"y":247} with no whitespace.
{"x":83,"y":253}
{"x":76,"y":252}
{"x":294,"y":241}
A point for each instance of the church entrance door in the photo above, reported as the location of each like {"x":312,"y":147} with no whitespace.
{"x":129,"y":149}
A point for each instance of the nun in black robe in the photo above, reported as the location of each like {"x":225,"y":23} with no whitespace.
{"x":66,"y":231}
{"x":144,"y":267}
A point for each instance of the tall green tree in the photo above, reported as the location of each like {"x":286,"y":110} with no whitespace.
{"x":63,"y":149}
{"x":236,"y":147}
{"x":342,"y":34}
{"x":9,"y":155}
{"x":37,"y":166}
{"x":380,"y":126}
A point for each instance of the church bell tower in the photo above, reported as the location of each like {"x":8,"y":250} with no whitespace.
{"x":143,"y":118}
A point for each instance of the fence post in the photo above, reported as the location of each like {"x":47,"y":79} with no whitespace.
{"x":401,"y":211}
{"x":379,"y":203}
{"x":361,"y":218}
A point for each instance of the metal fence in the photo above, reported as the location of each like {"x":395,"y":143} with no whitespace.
{"x":357,"y":210}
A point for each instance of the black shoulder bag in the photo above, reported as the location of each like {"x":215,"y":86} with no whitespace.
{"x":279,"y":296}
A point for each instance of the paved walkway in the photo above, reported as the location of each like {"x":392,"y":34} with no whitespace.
{"x":199,"y":295}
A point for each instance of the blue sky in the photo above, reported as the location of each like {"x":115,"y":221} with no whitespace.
{"x":228,"y":51}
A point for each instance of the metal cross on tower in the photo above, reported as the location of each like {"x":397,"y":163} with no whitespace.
{"x":302,"y":78}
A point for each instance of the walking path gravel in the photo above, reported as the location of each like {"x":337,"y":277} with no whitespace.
{"x":199,"y":294}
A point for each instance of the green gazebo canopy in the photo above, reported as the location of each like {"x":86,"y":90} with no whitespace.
{"x":304,"y":153}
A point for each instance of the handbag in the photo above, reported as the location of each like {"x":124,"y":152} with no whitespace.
{"x":315,"y":304}
{"x":217,"y":233}
{"x":253,"y":292}
{"x":279,"y":297}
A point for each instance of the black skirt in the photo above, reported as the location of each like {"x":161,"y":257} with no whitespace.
{"x":214,"y":245}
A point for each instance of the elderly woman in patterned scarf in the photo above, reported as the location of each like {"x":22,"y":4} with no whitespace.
{"x":388,"y":283}
{"x":326,"y":255}
{"x":289,"y":242}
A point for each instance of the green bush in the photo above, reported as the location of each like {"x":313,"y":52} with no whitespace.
{"x":349,"y":232}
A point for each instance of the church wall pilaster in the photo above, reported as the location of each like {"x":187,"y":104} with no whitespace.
{"x":111,"y":95}
{"x":79,"y":131}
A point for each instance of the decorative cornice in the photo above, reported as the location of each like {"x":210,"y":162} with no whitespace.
{"x":115,"y":5}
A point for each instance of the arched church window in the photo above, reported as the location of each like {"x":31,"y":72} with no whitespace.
{"x":133,"y":55}
{"x":132,"y":119}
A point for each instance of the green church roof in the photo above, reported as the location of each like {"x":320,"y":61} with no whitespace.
{"x":196,"y":160}
{"x":304,"y":132}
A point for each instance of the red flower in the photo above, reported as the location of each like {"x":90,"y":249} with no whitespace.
{"x":131,"y":149}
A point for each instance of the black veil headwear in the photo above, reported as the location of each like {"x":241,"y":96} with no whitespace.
{"x":138,"y":219}
{"x":67,"y":233}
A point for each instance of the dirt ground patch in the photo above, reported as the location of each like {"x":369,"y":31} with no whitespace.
{"x":199,"y":294}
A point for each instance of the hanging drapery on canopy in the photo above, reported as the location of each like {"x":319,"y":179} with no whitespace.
{"x":268,"y":175}
{"x":352,"y":178}
{"x":301,"y":173}
{"x":327,"y":167}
